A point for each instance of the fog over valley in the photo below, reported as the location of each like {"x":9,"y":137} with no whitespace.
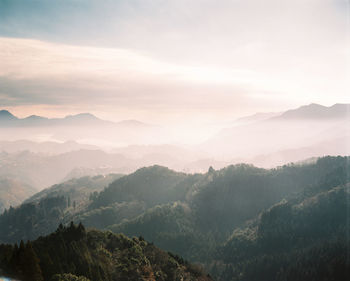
{"x":174,"y":140}
{"x":265,"y":140}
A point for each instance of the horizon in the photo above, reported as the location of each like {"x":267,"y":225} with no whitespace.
{"x":209,"y":78}
{"x":172,"y":62}
{"x":141,"y":121}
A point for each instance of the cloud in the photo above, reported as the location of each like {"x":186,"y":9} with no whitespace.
{"x":35,"y":72}
{"x":206,"y":56}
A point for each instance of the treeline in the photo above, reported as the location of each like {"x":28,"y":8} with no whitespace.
{"x":232,"y":220}
{"x":72,"y":253}
{"x":221,"y":201}
{"x":20,"y":261}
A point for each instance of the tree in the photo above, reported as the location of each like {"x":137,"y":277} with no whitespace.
{"x":28,"y":263}
{"x":32,"y":268}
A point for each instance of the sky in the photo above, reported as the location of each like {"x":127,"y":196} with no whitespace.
{"x":174,"y":61}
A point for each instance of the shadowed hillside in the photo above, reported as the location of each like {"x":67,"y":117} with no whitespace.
{"x":95,"y":255}
{"x":294,"y":240}
{"x":189,"y":214}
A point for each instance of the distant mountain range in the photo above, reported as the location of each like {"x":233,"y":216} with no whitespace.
{"x":83,"y":128}
{"x":306,"y":126}
{"x":318,"y":112}
{"x":7,"y":119}
{"x":311,"y":111}
{"x":263,"y":139}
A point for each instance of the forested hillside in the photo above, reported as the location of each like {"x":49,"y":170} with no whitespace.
{"x":152,"y":185}
{"x":232,"y":220}
{"x":93,"y":255}
{"x":41,"y":213}
{"x":307,"y":240}
{"x":224,"y":200}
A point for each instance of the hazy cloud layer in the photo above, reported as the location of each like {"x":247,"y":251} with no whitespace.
{"x":35,"y":72}
{"x":169,"y":59}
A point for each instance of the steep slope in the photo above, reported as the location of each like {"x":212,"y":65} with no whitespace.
{"x":172,"y":226}
{"x":132,"y":195}
{"x":190,"y":215}
{"x":296,"y":240}
{"x":153,"y":185}
{"x":41,"y":213}
{"x":220,"y":201}
{"x":125,"y":198}
{"x":100,"y":256}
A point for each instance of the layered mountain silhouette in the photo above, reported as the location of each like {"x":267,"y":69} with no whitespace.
{"x":83,"y":128}
{"x":306,"y":126}
{"x":241,"y":222}
{"x":7,"y":119}
{"x":316,"y":111}
{"x":263,"y":139}
{"x":311,"y":111}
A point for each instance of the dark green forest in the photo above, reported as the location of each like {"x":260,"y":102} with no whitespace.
{"x":300,"y":240}
{"x":72,"y":253}
{"x":240,"y":222}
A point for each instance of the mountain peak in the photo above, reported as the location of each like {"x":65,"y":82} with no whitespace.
{"x":83,"y":116}
{"x":315,"y":105}
{"x":4,"y":114}
{"x":317,"y":111}
{"x":35,"y":117}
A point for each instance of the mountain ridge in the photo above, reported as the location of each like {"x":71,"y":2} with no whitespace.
{"x":317,"y":111}
{"x":295,"y":128}
{"x":187,"y":214}
{"x":8,"y":119}
{"x":73,"y":251}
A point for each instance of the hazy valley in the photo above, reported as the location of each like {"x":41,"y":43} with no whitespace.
{"x":234,"y":205}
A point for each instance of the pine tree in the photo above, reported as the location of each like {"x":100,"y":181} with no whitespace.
{"x":31,"y":270}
